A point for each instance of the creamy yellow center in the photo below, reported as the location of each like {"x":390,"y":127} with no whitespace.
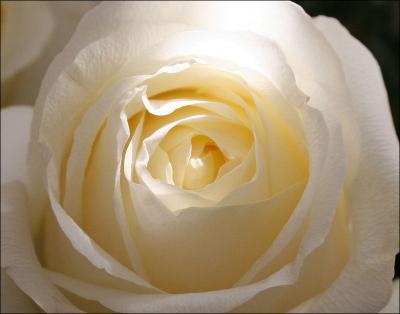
{"x":205,"y":161}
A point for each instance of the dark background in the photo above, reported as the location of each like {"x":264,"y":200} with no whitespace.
{"x":376,"y":25}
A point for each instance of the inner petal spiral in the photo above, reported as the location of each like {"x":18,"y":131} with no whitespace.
{"x":204,"y":163}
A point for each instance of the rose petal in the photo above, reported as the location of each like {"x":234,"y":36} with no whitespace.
{"x":18,"y":254}
{"x":162,"y":107}
{"x":319,"y":270}
{"x":320,"y":198}
{"x":393,"y":304}
{"x":13,"y":300}
{"x":226,"y":186}
{"x":70,"y":86}
{"x":374,"y":191}
{"x":284,"y":23}
{"x":173,"y":197}
{"x":84,"y":137}
{"x":304,"y":47}
{"x":91,"y":250}
{"x":257,"y":188}
{"x":160,"y":166}
{"x":122,"y":94}
{"x":180,"y":156}
{"x":221,"y":300}
{"x":101,"y":192}
{"x":58,"y":254}
{"x":206,"y":233}
{"x":94,"y":226}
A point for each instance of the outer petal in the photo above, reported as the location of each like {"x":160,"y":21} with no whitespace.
{"x":15,"y":124}
{"x":16,"y":244}
{"x":283,"y":22}
{"x":365,"y":285}
{"x":18,"y":254}
{"x":72,"y":92}
{"x":13,"y":300}
{"x":393,"y":305}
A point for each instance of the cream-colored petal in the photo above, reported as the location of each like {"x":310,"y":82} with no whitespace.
{"x":240,"y":54}
{"x":243,"y":50}
{"x":86,"y":266}
{"x":228,"y":180}
{"x":287,"y":161}
{"x":258,"y":188}
{"x":206,"y":233}
{"x":84,"y":138}
{"x":202,"y":170}
{"x":132,"y":148}
{"x":176,"y":135}
{"x":164,"y":107}
{"x":319,"y":270}
{"x":284,"y":23}
{"x":123,"y":302}
{"x":173,"y":197}
{"x":234,"y":142}
{"x":160,"y":166}
{"x":214,"y":301}
{"x":72,"y":84}
{"x":180,"y":157}
{"x":18,"y":253}
{"x":58,"y":254}
{"x":103,"y":207}
{"x":374,"y":188}
{"x":275,"y":127}
{"x":393,"y":305}
{"x":13,"y":300}
{"x":91,"y":250}
{"x":318,"y":203}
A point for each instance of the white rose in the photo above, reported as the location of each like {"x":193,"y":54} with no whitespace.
{"x":207,"y":157}
{"x":32,"y":33}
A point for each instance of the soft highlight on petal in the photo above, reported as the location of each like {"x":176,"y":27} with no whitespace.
{"x":373,"y":191}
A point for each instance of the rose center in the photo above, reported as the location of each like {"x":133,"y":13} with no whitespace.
{"x":205,"y":161}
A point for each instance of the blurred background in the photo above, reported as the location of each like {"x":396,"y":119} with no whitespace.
{"x":40,"y":28}
{"x":376,"y":25}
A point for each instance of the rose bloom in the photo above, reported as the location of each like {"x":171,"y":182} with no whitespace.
{"x":205,"y":157}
